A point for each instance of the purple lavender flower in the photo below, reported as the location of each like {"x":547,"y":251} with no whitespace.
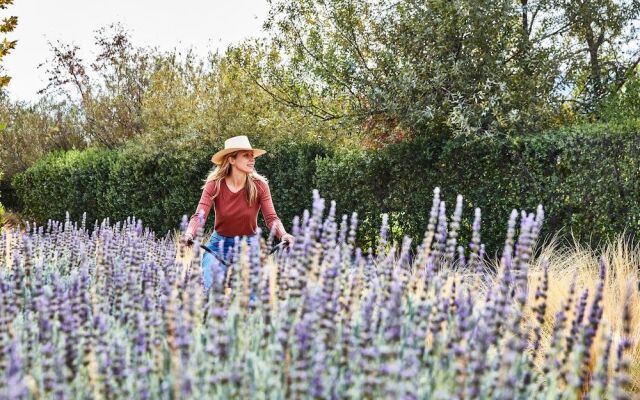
{"x":452,"y":236}
{"x":14,"y":385}
{"x":353,"y":227}
{"x":440,"y":235}
{"x":474,"y":256}
{"x":383,"y":236}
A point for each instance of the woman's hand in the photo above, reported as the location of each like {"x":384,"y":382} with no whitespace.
{"x":288,"y":238}
{"x":187,"y":239}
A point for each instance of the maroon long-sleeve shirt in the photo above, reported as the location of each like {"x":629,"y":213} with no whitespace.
{"x":233,"y":214}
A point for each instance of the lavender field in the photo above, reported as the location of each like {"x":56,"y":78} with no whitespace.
{"x":113,"y":312}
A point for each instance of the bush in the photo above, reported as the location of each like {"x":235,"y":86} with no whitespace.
{"x":358,"y":182}
{"x":585,"y":176}
{"x":290,"y":168}
{"x":61,"y":182}
{"x":157,"y":184}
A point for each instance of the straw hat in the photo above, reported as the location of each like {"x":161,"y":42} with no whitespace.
{"x":234,"y":144}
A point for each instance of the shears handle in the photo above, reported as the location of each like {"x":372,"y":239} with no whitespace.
{"x":282,"y":245}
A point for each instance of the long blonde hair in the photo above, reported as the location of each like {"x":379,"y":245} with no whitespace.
{"x":223,"y":170}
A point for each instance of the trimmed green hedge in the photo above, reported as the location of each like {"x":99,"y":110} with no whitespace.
{"x":73,"y":181}
{"x":586,"y":177}
{"x":155,"y":184}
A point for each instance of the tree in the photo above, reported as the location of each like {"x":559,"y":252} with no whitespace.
{"x":33,"y":130}
{"x":109,"y":92}
{"x":459,"y":66}
{"x":601,"y":39}
{"x":7,"y":25}
{"x":462,"y":66}
{"x":133,"y":93}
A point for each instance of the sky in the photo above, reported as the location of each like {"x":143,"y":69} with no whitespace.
{"x":200,"y":24}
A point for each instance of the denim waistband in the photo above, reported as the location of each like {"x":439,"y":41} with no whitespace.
{"x":216,"y":234}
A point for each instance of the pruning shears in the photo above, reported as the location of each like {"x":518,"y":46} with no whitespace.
{"x":280,"y":246}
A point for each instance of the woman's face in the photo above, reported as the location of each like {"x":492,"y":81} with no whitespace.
{"x":243,"y":161}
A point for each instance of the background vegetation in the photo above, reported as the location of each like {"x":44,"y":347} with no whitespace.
{"x":374,"y":103}
{"x":586,"y":176}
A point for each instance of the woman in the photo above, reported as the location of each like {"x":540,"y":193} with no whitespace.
{"x":237,"y":193}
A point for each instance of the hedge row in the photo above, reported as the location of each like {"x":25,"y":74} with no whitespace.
{"x":586,"y":178}
{"x":157,"y":184}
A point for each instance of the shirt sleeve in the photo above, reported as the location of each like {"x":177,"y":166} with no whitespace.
{"x":204,"y":206}
{"x":269,"y":213}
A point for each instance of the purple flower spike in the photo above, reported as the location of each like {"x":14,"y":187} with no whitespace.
{"x":441,"y":235}
{"x":353,"y":227}
{"x":462,"y":261}
{"x":433,"y":215}
{"x":382,"y":238}
{"x":14,"y":377}
{"x":184,"y":223}
{"x":621,"y":371}
{"x":452,"y":235}
{"x":600,"y":379}
{"x":342,"y":237}
{"x":507,"y":253}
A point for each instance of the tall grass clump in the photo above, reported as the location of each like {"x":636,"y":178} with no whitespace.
{"x":115,"y":312}
{"x":579,"y":269}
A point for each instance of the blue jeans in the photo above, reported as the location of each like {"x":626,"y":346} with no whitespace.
{"x":223,"y":247}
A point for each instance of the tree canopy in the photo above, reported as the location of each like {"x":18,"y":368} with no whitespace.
{"x":7,"y":25}
{"x":467,"y":66}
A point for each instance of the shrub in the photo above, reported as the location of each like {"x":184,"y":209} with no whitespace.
{"x":118,"y":314}
{"x":75,"y":182}
{"x":156,"y":183}
{"x":586,"y":176}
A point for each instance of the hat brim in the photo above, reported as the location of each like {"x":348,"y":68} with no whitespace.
{"x":219,"y":156}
